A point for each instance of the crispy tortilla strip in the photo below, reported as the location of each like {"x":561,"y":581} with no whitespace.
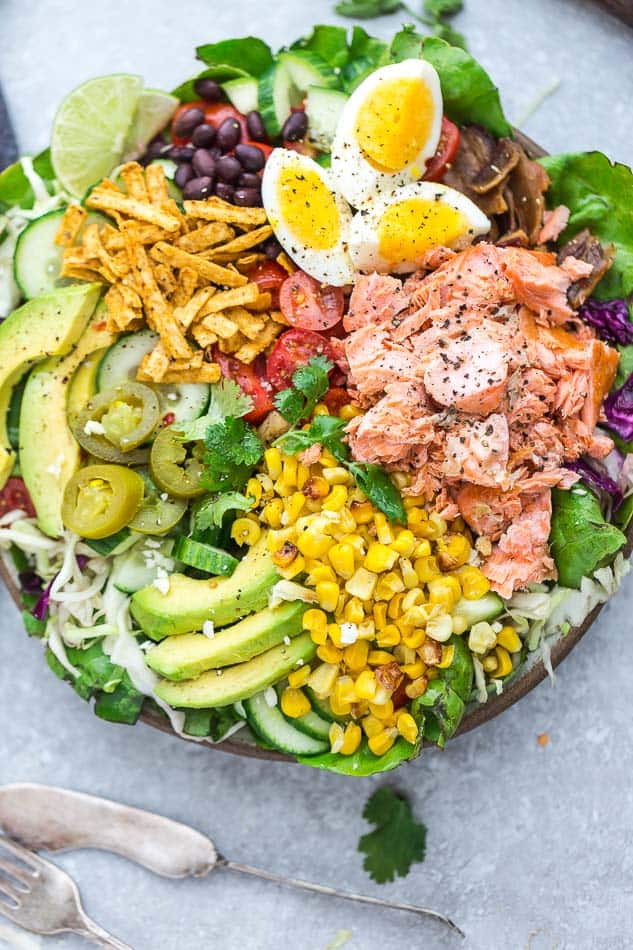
{"x":203,"y":336}
{"x":215,"y":274}
{"x":232,"y":344}
{"x":214,"y":209}
{"x":119,"y":301}
{"x":207,"y":373}
{"x":165,"y":278}
{"x":103,"y":199}
{"x":185,"y":287}
{"x":248,"y":351}
{"x":156,"y":182}
{"x":262,"y":304}
{"x":181,"y":366}
{"x":72,"y":222}
{"x":205,"y":237}
{"x":248,"y":261}
{"x":278,"y":317}
{"x":83,"y":273}
{"x":247,"y":324}
{"x":112,"y":267}
{"x":134,"y":181}
{"x":188,"y":313}
{"x":112,"y":239}
{"x":153,"y":366}
{"x":242,"y":243}
{"x":220,"y":325}
{"x":286,"y":263}
{"x":239,"y":297}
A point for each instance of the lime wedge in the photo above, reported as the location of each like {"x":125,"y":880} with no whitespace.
{"x":155,"y":109}
{"x":91,"y":128}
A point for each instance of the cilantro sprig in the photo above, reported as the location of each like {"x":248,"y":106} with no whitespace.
{"x":434,"y":14}
{"x":210,"y":513}
{"x":309,"y":384}
{"x":398,"y":839}
{"x":226,"y":399}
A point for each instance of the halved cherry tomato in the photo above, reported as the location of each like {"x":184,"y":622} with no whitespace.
{"x":214,"y":113}
{"x":335,"y":398}
{"x":309,"y":305}
{"x":445,"y":152}
{"x":294,"y":348}
{"x":269,"y":276}
{"x":251,"y":382}
{"x":14,"y":495}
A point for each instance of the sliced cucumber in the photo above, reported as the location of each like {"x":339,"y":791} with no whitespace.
{"x":242,"y":93}
{"x":313,"y":725}
{"x":323,"y":109}
{"x":277,"y":94}
{"x":170,"y":169}
{"x":488,"y":607}
{"x":107,"y":546}
{"x":322,"y":707}
{"x":307,"y":69}
{"x":138,"y":568}
{"x":270,"y":723}
{"x":185,"y":401}
{"x":204,"y":557}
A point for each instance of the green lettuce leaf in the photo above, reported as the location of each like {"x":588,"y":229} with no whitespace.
{"x":248,"y":53}
{"x":211,"y":723}
{"x":363,"y":761}
{"x":15,"y":188}
{"x":625,"y":367}
{"x":328,"y":42}
{"x":186,"y":91}
{"x":599,"y":194}
{"x":580,"y":540}
{"x":116,"y":699}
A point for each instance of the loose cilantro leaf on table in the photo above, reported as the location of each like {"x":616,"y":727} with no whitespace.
{"x":309,"y":384}
{"x":233,"y":451}
{"x":211,"y":511}
{"x":434,"y":14}
{"x":398,"y":841}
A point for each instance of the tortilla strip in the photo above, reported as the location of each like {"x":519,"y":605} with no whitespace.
{"x":214,"y":209}
{"x":134,"y":181}
{"x":153,"y":366}
{"x":220,"y":325}
{"x":83,"y":273}
{"x":120,"y":313}
{"x":286,"y":263}
{"x":207,"y":373}
{"x":250,"y":350}
{"x":262,"y":304}
{"x":185,"y":287}
{"x":239,"y":297}
{"x":203,"y":336}
{"x":247,"y":324}
{"x":72,"y":222}
{"x":189,"y":311}
{"x":202,"y":238}
{"x":156,"y":182}
{"x":242,"y":243}
{"x":103,"y":199}
{"x":166,"y":254}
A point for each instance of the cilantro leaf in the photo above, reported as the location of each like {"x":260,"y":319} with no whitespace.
{"x":398,"y":840}
{"x":211,"y":512}
{"x":380,"y":490}
{"x":434,"y":14}
{"x":368,"y":9}
{"x":310,"y":383}
{"x":226,"y":399}
{"x":328,"y":431}
{"x":233,"y":451}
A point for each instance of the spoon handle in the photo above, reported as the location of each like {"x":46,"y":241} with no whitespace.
{"x":333,"y":892}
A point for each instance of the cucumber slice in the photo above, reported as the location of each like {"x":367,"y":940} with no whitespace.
{"x":204,"y":557}
{"x":243,"y":94}
{"x":322,"y":707}
{"x":488,"y":607}
{"x":323,"y":109}
{"x":170,"y":168}
{"x":312,"y":725}
{"x":138,"y":568}
{"x":277,"y":94}
{"x":307,"y":69}
{"x":185,"y":401}
{"x":107,"y":546}
{"x":270,"y":723}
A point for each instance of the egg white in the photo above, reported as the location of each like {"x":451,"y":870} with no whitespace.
{"x":355,"y":176}
{"x":364,"y":237}
{"x":330,"y":264}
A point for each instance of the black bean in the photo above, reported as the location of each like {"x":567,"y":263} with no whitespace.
{"x":184,"y":173}
{"x":187,"y":121}
{"x":272,"y":248}
{"x":203,"y":136}
{"x":256,"y":127}
{"x":197,"y":188}
{"x":249,"y":180}
{"x":228,"y":169}
{"x":247,"y":197}
{"x":295,"y":127}
{"x":251,"y":158}
{"x":180,"y":153}
{"x":209,"y":90}
{"x":229,"y":134}
{"x":224,"y":191}
{"x":203,"y":163}
{"x":156,"y":149}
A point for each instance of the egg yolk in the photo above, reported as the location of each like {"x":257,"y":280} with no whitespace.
{"x":411,"y":227}
{"x":394,"y":123}
{"x":308,"y":208}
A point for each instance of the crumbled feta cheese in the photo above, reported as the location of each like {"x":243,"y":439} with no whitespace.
{"x":219,"y":672}
{"x":164,"y":496}
{"x":92,"y":427}
{"x":173,"y":397}
{"x":349,"y":633}
{"x":152,"y":543}
{"x":270,"y":697}
{"x":289,"y":590}
{"x":299,"y":662}
{"x":208,"y":629}
{"x":161,"y":581}
{"x":55,"y":468}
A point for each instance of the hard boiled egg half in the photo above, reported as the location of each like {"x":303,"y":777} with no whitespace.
{"x":310,"y":221}
{"x":388,"y":129}
{"x":392,"y":233}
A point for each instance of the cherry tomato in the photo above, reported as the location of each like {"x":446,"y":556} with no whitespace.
{"x":309,"y":305}
{"x":269,"y":276}
{"x":250,"y":381}
{"x":335,"y":398}
{"x":303,"y":147}
{"x":216,"y":112}
{"x":445,"y":152}
{"x":294,"y":348}
{"x":15,"y":495}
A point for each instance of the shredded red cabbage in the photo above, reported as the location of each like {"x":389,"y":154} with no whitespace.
{"x":618,"y":407}
{"x":598,"y":480}
{"x":610,"y":319}
{"x":82,"y":560}
{"x":40,"y":611}
{"x":30,"y":582}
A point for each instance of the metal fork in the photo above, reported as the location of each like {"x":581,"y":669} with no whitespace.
{"x":42,"y":898}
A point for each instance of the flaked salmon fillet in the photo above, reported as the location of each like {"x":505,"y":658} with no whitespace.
{"x":521,"y":556}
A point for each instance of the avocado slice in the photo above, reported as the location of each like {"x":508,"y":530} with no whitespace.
{"x":49,"y":453}
{"x":189,"y":602}
{"x":182,"y":658}
{"x":83,"y":385}
{"x":46,"y":326}
{"x":241,"y":681}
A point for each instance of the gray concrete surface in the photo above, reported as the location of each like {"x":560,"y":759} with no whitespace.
{"x":528,"y":846}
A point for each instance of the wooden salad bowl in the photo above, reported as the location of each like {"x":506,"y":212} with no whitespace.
{"x":533,"y":673}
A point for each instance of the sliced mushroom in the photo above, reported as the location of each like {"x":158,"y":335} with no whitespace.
{"x":587,"y":248}
{"x":505,"y":156}
{"x":528,"y":182}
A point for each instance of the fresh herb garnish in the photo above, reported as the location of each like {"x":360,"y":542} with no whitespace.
{"x":211,"y":511}
{"x":398,"y":841}
{"x":434,"y":14}
{"x":116,"y":699}
{"x":309,"y":384}
{"x":233,"y":451}
{"x":226,"y":399}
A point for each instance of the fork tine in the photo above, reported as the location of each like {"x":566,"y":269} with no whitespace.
{"x":8,"y":891}
{"x":11,"y":870}
{"x":22,"y":854}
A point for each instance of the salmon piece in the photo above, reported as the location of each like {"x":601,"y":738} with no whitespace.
{"x":571,"y":393}
{"x":554,"y":223}
{"x":521,"y":556}
{"x":469,"y":374}
{"x":531,"y":395}
{"x":539,"y":286}
{"x":604,"y":361}
{"x":575,"y":268}
{"x":396,"y":428}
{"x":375,"y":299}
{"x":601,"y":445}
{"x":547,"y":478}
{"x":487,"y":510}
{"x":477,"y":451}
{"x":375,"y":361}
{"x":554,"y":349}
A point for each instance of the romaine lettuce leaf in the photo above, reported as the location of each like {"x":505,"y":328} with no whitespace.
{"x":580,"y":539}
{"x":15,"y":188}
{"x":248,"y":53}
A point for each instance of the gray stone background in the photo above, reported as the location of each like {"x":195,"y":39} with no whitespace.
{"x":528,"y":846}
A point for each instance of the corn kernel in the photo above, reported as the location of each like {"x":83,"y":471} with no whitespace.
{"x":315,"y":621}
{"x":489,"y":663}
{"x":282,"y":488}
{"x":504,"y":663}
{"x":323,"y":678}
{"x":414,"y":639}
{"x":336,"y":736}
{"x":315,"y":487}
{"x":327,"y":460}
{"x":413,"y":598}
{"x":380,"y":558}
{"x":415,"y":501}
{"x":362,"y":511}
{"x":355,"y":655}
{"x":510,"y":639}
{"x":341,"y":557}
{"x":254,"y":491}
{"x":272,"y":512}
{"x":245,"y":531}
{"x":404,"y":654}
{"x":336,"y":498}
{"x":337,"y":475}
{"x":366,"y":685}
{"x":338,"y":708}
{"x":426,"y":568}
{"x":300,"y":677}
{"x":382,"y":696}
{"x":349,"y":412}
{"x":379,"y":614}
{"x":286,"y":554}
{"x":440,"y":627}
{"x":453,"y":551}
{"x":413,"y":670}
{"x":475,"y":584}
{"x":313,"y":544}
{"x":289,"y":470}
{"x":381,"y":743}
{"x":409,"y":576}
{"x":481,"y":637}
{"x":327,"y":595}
{"x":415,"y":616}
{"x":405,"y":543}
{"x":407,"y":727}
{"x":303,"y":474}
{"x":379,"y":657}
{"x":294,"y":703}
{"x":361,"y":584}
{"x":444,"y":591}
{"x":334,"y":633}
{"x":328,"y":653}
{"x":351,"y":739}
{"x":372,"y":726}
{"x":321,"y":409}
{"x":448,"y":655}
{"x":383,"y":710}
{"x":267,"y":485}
{"x":366,"y":630}
{"x":272,"y":458}
{"x":422,"y":548}
{"x":388,"y":585}
{"x":394,"y":609}
{"x":460,"y":624}
{"x":384,"y":532}
{"x":417,"y":687}
{"x":293,"y":507}
{"x":353,"y":611}
{"x":388,"y":636}
{"x":344,"y":691}
{"x":321,"y":573}
{"x":297,"y":567}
